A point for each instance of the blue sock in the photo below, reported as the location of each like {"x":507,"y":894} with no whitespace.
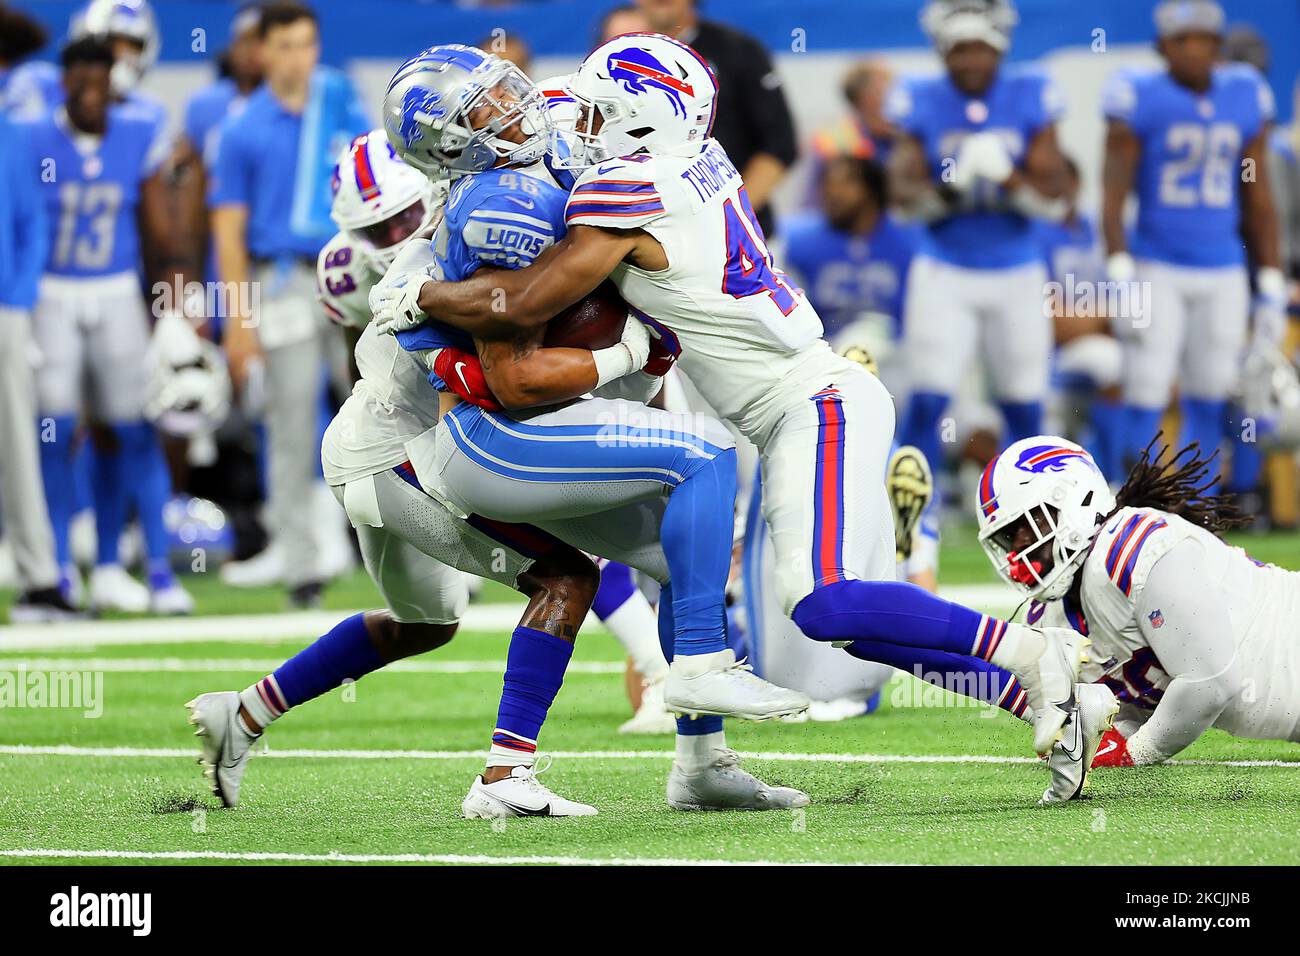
{"x":696,"y":533}
{"x":57,"y":475}
{"x":1247,"y":462}
{"x":685,"y":725}
{"x":535,"y":666}
{"x":1106,"y":418}
{"x":345,"y":653}
{"x":108,"y":479}
{"x":148,"y":488}
{"x":1141,"y":425}
{"x":616,"y":586}
{"x":896,"y":613}
{"x":959,"y":673}
{"x":1203,"y":421}
{"x":921,"y":425}
{"x":1023,"y":419}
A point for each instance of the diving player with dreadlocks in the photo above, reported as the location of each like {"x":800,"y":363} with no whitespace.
{"x":1189,"y":632}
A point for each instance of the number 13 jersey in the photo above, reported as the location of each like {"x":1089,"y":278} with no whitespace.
{"x":740,"y":324}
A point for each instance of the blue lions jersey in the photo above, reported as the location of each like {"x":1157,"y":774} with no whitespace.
{"x":91,"y":188}
{"x":502,"y":217}
{"x":1071,"y":249}
{"x":845,"y":275}
{"x":1192,"y":146}
{"x":1019,"y":104}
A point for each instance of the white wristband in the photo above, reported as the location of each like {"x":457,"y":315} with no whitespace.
{"x":1120,"y":267}
{"x":1270,"y":282}
{"x":613,"y":362}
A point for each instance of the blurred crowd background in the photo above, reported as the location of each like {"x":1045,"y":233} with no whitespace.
{"x":802,"y":113}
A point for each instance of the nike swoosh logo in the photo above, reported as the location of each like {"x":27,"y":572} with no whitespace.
{"x":1107,"y":748}
{"x":461,"y":375}
{"x":527,"y":205}
{"x":602,"y":170}
{"x":542,"y":811}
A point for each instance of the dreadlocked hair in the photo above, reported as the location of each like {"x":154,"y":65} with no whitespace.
{"x":1178,"y":484}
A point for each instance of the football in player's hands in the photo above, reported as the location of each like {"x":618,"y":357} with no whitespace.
{"x":593,"y":322}
{"x":1112,"y":751}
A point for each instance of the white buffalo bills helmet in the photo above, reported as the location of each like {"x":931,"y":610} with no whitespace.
{"x":127,"y":19}
{"x":447,"y":107}
{"x":1053,"y":487}
{"x":651,"y":93}
{"x":949,"y":22}
{"x":379,"y":201}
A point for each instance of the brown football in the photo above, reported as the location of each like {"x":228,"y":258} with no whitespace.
{"x":593,"y":322}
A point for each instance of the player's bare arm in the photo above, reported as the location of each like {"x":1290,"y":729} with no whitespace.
{"x":909,"y":179}
{"x":1259,"y":216}
{"x":522,"y":374}
{"x":1123,"y":151}
{"x":499,"y":304}
{"x":1043,"y":170}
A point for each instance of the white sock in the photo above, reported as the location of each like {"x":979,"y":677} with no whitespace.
{"x":697,"y":751}
{"x":1014,"y":646}
{"x":262,"y":701}
{"x":635,"y":626}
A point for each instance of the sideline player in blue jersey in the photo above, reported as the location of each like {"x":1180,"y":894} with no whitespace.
{"x":851,"y":256}
{"x":977,"y":159}
{"x":1088,"y":357}
{"x":99,"y":164}
{"x":1190,"y":141}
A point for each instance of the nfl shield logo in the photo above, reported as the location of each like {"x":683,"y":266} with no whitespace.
{"x":1156,"y":618}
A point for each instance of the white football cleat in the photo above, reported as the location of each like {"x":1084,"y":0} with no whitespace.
{"x":1071,"y":756}
{"x":652,"y":717}
{"x":226,"y":745}
{"x":1048,"y":674}
{"x":171,"y":601}
{"x":264,"y":569}
{"x":722,"y":785}
{"x":719,"y":685}
{"x":112,"y":589}
{"x":519,"y":795}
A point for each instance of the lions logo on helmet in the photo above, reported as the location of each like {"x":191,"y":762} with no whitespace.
{"x":419,"y":108}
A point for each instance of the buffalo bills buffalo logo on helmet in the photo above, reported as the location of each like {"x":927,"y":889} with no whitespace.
{"x":419,"y":103}
{"x":1041,"y":458}
{"x":639,"y":72}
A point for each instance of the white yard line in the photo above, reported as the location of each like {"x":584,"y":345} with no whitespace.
{"x":254,"y":628}
{"x":450,"y":858}
{"x":232,"y":665}
{"x":67,"y":750}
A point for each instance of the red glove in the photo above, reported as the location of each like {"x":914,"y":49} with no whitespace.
{"x":463,"y":374}
{"x":663,"y":352}
{"x":1112,"y":751}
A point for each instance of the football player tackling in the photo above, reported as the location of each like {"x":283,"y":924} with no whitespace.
{"x":1188,"y":631}
{"x":661,"y":210}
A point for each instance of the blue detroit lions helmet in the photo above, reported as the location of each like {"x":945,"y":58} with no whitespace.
{"x":447,"y":108}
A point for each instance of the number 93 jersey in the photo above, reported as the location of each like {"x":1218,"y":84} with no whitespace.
{"x":739,"y":323}
{"x":91,"y":187}
{"x":1192,"y":146}
{"x":343,"y":283}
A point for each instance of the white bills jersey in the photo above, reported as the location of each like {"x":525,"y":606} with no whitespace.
{"x":343,"y":282}
{"x":1261,"y":602}
{"x":740,"y":323}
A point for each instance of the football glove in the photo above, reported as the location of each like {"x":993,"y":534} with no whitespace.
{"x":1112,"y":751}
{"x":396,"y":304}
{"x":462,"y":373}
